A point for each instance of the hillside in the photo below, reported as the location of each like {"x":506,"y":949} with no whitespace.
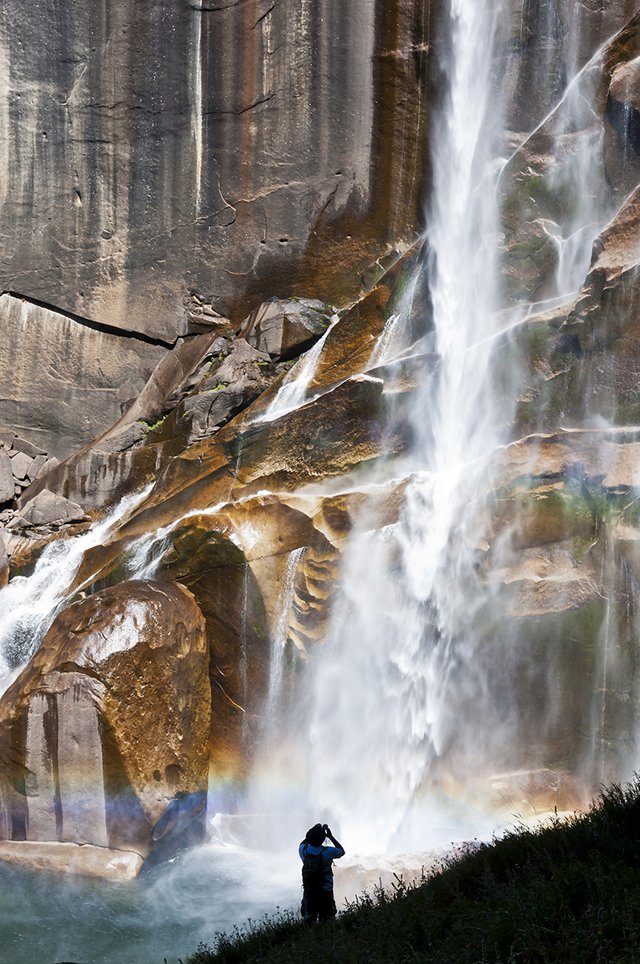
{"x":567,"y":892}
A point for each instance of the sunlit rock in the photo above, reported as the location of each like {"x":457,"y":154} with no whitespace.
{"x":327,"y":437}
{"x":109,"y":720}
{"x":349,"y":347}
{"x":69,"y":858}
{"x":48,"y":508}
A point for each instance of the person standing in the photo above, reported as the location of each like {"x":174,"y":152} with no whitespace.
{"x":317,"y":876}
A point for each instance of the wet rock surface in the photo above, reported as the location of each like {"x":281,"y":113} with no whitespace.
{"x":109,"y":721}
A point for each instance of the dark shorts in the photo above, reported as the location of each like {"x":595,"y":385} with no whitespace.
{"x":320,"y":907}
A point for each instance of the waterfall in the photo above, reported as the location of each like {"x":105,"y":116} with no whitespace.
{"x":28,"y":605}
{"x":293,"y":390}
{"x":274,"y":699}
{"x":273,"y":748}
{"x":400,"y":649}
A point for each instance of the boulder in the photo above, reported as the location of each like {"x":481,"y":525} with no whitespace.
{"x":21,"y":465}
{"x":22,"y":445}
{"x":207,"y":411}
{"x":241,"y":364}
{"x":47,"y":508}
{"x":283,"y":328}
{"x":232,"y":385}
{"x":69,"y":858}
{"x":39,"y":462}
{"x":109,"y":721}
{"x":167,"y":384}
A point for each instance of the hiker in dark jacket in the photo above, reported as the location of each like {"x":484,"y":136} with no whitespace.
{"x":317,"y":875}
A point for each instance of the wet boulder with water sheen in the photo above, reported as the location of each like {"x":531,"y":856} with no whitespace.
{"x":109,"y":722}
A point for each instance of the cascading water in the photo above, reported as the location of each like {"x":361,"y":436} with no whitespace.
{"x":293,"y":391}
{"x":28,"y":605}
{"x":403,"y":628}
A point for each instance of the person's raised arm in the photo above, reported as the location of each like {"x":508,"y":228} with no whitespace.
{"x":333,"y":840}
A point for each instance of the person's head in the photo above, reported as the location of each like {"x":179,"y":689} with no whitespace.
{"x":315,"y":835}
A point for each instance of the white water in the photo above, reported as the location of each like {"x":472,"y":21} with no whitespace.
{"x":384,"y":702}
{"x":295,"y":386}
{"x":274,"y":698}
{"x":28,"y":605}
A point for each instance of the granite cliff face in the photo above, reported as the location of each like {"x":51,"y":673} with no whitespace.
{"x":210,"y":149}
{"x":182,"y":168}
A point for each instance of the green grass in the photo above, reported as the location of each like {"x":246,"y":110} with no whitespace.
{"x":568,"y":892}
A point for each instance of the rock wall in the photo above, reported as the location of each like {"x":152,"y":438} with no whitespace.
{"x":110,"y":724}
{"x":155,"y":152}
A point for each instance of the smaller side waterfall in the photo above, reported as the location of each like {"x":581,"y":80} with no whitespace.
{"x":293,"y":391}
{"x":273,"y":710}
{"x":28,"y":605}
{"x":268,"y":788}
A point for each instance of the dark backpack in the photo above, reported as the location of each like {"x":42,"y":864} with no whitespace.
{"x":312,"y":874}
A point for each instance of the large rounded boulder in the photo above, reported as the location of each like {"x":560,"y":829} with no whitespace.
{"x":109,"y":722}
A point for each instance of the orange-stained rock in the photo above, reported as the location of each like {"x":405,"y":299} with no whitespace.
{"x":109,"y":721}
{"x":328,"y":437}
{"x":549,"y":579}
{"x":349,"y":345}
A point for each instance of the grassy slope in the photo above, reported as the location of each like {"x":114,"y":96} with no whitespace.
{"x":569,"y":892}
